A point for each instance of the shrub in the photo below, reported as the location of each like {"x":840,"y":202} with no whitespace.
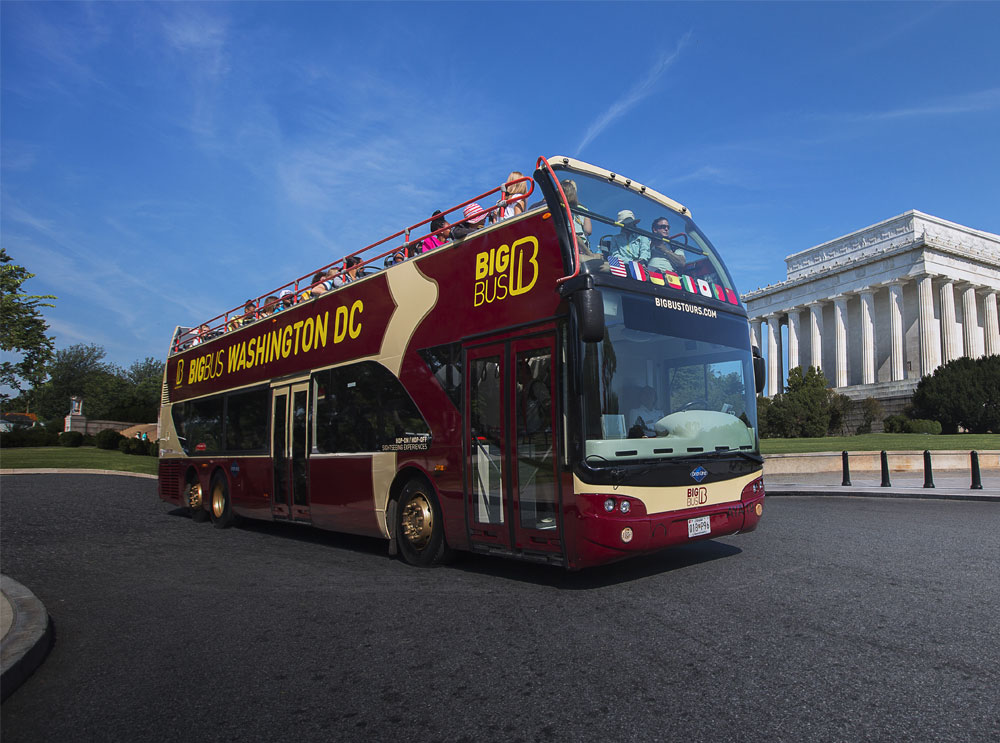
{"x":964,"y":392}
{"x":70,"y":439}
{"x":108,"y":439}
{"x":35,"y":436}
{"x":154,"y":447}
{"x":922,"y":426}
{"x":895,"y":424}
{"x":138,"y":446}
{"x":839,"y":407}
{"x":124,"y":446}
{"x":871,"y":411}
{"x":88,"y":440}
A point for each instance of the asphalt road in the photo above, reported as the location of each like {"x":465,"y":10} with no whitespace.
{"x":840,"y":619}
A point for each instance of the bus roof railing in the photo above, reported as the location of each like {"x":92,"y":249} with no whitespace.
{"x":300,"y":289}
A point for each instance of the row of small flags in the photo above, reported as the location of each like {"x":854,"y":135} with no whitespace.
{"x":637,"y":271}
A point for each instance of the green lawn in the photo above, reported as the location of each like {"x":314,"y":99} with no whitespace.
{"x":886,"y":441}
{"x":84,"y":458}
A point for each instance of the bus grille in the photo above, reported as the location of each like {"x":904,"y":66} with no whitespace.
{"x":170,"y":479}
{"x":165,"y":394}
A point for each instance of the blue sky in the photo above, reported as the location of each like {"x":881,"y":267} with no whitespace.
{"x":163,"y":162}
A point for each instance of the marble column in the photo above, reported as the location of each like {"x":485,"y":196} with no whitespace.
{"x":930,"y":347}
{"x":992,"y":324}
{"x":840,"y":339}
{"x":816,"y":334}
{"x":774,"y":375}
{"x":793,"y":339}
{"x":755,"y":333}
{"x":867,"y":337}
{"x":970,"y":323}
{"x":950,"y":344}
{"x":896,"y":330}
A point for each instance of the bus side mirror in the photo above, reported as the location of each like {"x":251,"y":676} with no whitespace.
{"x":589,"y":314}
{"x":759,"y":370}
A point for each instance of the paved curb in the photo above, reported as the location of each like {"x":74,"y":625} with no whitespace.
{"x":55,"y":471}
{"x":27,"y":642}
{"x":833,"y":490}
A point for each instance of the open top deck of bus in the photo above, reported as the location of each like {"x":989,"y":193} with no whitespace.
{"x":406,"y":242}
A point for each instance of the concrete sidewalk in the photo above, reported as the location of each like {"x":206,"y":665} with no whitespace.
{"x":866,"y":483}
{"x":26,"y":634}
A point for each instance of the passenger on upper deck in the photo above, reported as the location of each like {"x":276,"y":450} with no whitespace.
{"x":433,"y":241}
{"x":582,"y":225}
{"x":269,"y":307}
{"x":628,"y":245}
{"x":664,"y":257}
{"x":474,"y":218}
{"x":350,"y":272}
{"x":392,"y":260}
{"x":286,"y":298}
{"x":201,"y":335}
{"x":510,"y":189}
{"x":316,"y":287}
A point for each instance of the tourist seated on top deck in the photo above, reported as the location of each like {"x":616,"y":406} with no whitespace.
{"x":663,"y":257}
{"x":315,"y":288}
{"x":200,"y":335}
{"x":436,"y":240}
{"x":475,"y":218}
{"x":581,"y":224}
{"x":349,"y":273}
{"x":510,"y":208}
{"x":627,"y":245}
{"x":286,"y":298}
{"x":269,"y":307}
{"x":392,"y":260}
{"x":249,"y":312}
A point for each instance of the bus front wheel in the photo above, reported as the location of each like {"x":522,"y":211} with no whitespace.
{"x":221,"y":504}
{"x":419,"y":526}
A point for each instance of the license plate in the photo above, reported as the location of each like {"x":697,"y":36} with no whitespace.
{"x":699,"y":526}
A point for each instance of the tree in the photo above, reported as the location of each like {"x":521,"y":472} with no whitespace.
{"x":23,"y":330}
{"x":804,"y":408}
{"x":964,"y":392}
{"x":871,"y":411}
{"x":109,"y":392}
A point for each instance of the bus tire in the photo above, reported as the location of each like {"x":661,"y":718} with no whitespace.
{"x":419,"y":525}
{"x":194,"y":503}
{"x":221,"y":504}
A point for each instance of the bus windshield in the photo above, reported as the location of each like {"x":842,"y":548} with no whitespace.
{"x":670,"y":379}
{"x":613,"y":220}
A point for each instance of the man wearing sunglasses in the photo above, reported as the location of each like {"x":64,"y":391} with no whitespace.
{"x":663,"y":256}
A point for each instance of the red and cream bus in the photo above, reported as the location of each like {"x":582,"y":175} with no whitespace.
{"x":550,"y":387}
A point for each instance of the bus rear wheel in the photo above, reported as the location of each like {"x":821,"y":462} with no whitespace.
{"x":221,"y":504}
{"x":193,"y":501}
{"x":419,"y":526}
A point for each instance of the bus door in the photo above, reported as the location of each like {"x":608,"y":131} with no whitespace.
{"x":289,"y":445}
{"x":512,"y":494}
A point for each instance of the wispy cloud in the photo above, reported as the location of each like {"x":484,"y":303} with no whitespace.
{"x":976,"y":102}
{"x":642,"y":89}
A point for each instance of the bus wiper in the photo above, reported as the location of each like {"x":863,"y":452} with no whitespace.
{"x":707,"y":456}
{"x":748,"y":455}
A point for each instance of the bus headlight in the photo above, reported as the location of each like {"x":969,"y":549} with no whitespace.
{"x":609,"y":505}
{"x":624,"y":506}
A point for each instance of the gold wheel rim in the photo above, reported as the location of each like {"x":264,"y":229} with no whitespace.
{"x":218,"y":501}
{"x":194,"y":497}
{"x":417,"y":521}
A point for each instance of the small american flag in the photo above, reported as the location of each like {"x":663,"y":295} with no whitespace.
{"x":617,"y":267}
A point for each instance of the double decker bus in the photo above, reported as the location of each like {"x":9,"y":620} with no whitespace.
{"x":574,"y":384}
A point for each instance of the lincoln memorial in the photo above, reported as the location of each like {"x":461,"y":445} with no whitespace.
{"x":881,"y":307}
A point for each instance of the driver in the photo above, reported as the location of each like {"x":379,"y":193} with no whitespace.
{"x":646,"y":415}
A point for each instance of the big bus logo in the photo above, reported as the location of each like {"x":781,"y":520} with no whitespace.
{"x":506,"y":271}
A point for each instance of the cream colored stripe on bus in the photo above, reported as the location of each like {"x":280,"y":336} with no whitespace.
{"x":664,"y":499}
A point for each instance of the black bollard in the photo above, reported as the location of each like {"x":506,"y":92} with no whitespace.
{"x":847,"y":471}
{"x":885,"y":471}
{"x":928,"y":474}
{"x":977,"y":481}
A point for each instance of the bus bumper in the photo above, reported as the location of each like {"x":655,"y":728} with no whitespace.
{"x":612,"y":535}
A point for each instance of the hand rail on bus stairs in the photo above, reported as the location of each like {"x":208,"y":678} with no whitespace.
{"x":220,"y":324}
{"x":569,"y":215}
